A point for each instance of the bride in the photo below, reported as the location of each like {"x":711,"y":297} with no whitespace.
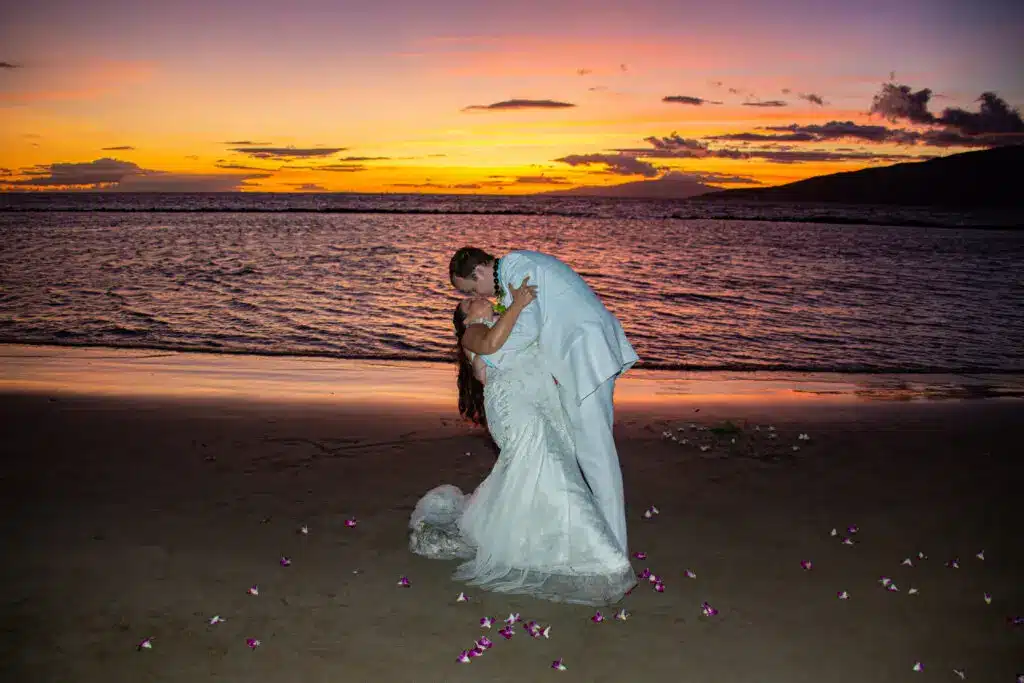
{"x":532,"y":526}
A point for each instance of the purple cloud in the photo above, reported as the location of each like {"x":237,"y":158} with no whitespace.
{"x":519,"y":104}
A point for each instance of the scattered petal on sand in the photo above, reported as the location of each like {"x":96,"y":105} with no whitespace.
{"x":852,"y":529}
{"x":707,"y":610}
{"x":645,"y":574}
{"x":404,"y":582}
{"x":988,"y":598}
{"x":507,"y":632}
{"x":806,"y":564}
{"x":253,"y":643}
{"x":921,"y":556}
{"x":512,"y":618}
{"x":795,"y":447}
{"x":953,"y":564}
{"x":843,"y":595}
{"x":690,"y":574}
{"x":464,"y":657}
{"x":253,"y":590}
{"x":286,"y":561}
{"x":304,"y":530}
{"x":597,"y":618}
{"x":847,"y":541}
{"x":484,"y":643}
{"x":640,"y":555}
{"x":145,"y":644}
{"x":653,"y":578}
{"x":557,"y":664}
{"x":462,"y":597}
{"x":486,"y":622}
{"x":885,"y":581}
{"x":834,"y":532}
{"x":892,"y":588}
{"x":907,"y":563}
{"x":913,"y":591}
{"x":981,"y":555}
{"x":622,"y":615}
{"x":960,"y":673}
{"x":1016,"y":621}
{"x":546,"y":632}
{"x":918,"y":666}
{"x":659,"y":587}
{"x":216,"y":620}
{"x":351,"y":523}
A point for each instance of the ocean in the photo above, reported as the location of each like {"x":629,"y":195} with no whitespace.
{"x":697,"y":285}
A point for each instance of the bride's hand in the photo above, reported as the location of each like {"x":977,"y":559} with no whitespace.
{"x":524,"y":293}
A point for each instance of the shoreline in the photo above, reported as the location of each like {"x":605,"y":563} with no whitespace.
{"x":118,"y":371}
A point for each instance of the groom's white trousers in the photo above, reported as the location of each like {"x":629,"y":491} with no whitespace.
{"x":592,"y":422}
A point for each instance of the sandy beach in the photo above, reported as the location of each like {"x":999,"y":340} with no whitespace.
{"x":145,"y":493}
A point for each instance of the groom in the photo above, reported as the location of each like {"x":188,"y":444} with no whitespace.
{"x":584,"y":344}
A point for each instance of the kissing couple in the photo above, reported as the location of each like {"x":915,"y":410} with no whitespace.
{"x":537,"y":369}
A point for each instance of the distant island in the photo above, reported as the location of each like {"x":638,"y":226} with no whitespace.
{"x":981,"y":179}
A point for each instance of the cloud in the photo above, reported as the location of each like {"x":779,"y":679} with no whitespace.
{"x":288,"y":153}
{"x":766,"y":103}
{"x":192,"y":157}
{"x":9,"y":65}
{"x":241,"y":167}
{"x":813,"y":98}
{"x":520,"y":104}
{"x":724,"y":179}
{"x":373,"y":158}
{"x":126,"y":176}
{"x":762,"y":137}
{"x":584,"y":72}
{"x":598,"y":88}
{"x":686,"y":99}
{"x":995,"y":123}
{"x":6,"y":171}
{"x":542,"y":180}
{"x":121,"y":148}
{"x":246,"y":142}
{"x":308,"y":187}
{"x":617,"y":164}
{"x":334,"y":168}
{"x":896,"y":102}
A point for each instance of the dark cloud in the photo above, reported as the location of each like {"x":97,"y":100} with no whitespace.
{"x":812,"y":98}
{"x":334,"y":168}
{"x":246,"y":142}
{"x":288,"y":153}
{"x":765,"y":103}
{"x":6,"y":171}
{"x":994,"y":116}
{"x":583,"y":72}
{"x":803,"y":156}
{"x":242,"y":167}
{"x":9,"y":65}
{"x":835,"y":130}
{"x":121,"y":148}
{"x":786,"y":91}
{"x":617,"y":164}
{"x":542,"y":180}
{"x":520,"y":104}
{"x":114,"y":174}
{"x":715,"y":84}
{"x":308,"y":187}
{"x":995,"y":123}
{"x":896,"y":102}
{"x":762,"y":137}
{"x":686,"y":99}
{"x":675,"y":142}
{"x":370,"y":158}
{"x":597,"y":88}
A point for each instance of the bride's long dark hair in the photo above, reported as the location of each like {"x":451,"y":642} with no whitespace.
{"x":471,"y":390}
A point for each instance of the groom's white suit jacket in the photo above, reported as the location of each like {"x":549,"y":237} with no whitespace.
{"x":583,"y":342}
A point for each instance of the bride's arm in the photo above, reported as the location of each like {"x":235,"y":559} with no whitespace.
{"x":483,"y":340}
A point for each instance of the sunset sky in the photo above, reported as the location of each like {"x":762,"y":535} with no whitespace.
{"x":476,"y":96}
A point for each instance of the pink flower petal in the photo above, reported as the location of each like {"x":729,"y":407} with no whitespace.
{"x":253,"y":643}
{"x":558,"y":664}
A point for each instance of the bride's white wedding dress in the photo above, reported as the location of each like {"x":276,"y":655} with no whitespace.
{"x":532,"y":526}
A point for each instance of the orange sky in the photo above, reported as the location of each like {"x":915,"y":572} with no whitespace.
{"x":340,"y":96}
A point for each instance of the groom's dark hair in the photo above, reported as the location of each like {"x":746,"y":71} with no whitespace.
{"x":465,"y":261}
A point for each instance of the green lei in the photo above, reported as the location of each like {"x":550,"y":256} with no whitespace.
{"x":499,"y":291}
